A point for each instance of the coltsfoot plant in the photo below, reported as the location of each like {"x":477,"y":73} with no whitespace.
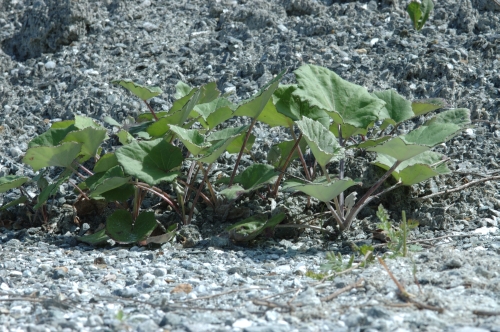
{"x":419,"y":11}
{"x":323,"y":113}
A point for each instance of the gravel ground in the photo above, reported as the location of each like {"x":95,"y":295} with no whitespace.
{"x":57,"y":59}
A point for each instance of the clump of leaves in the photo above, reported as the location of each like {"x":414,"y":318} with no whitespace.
{"x":397,"y":238}
{"x":329,"y":114}
{"x":419,"y":11}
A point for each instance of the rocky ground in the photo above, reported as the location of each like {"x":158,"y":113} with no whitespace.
{"x":57,"y":60}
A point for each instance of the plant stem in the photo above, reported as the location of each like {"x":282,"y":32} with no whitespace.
{"x":340,"y":222}
{"x":405,"y":232}
{"x":195,"y":201}
{"x":241,"y":151}
{"x":285,"y":165}
{"x":341,"y":171}
{"x":151,"y":110}
{"x":158,"y":192}
{"x":364,"y":200}
{"x":301,"y":156}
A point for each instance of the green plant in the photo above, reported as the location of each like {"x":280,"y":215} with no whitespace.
{"x":170,"y":154}
{"x":397,"y":238}
{"x":419,"y":11}
{"x":363,"y":121}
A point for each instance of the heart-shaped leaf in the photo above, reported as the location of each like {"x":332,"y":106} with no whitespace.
{"x":214,"y":112}
{"x":121,"y":227}
{"x":150,"y":161}
{"x":141,"y":91}
{"x":278,"y":153}
{"x":256,"y":104}
{"x":111,"y":179}
{"x":252,"y":178}
{"x":211,"y":154}
{"x":323,"y":191}
{"x":344,"y":102}
{"x":272,"y":118}
{"x":248,"y":229}
{"x":416,"y":169}
{"x":397,"y":109}
{"x":192,"y":139}
{"x":321,"y":141}
{"x":106,"y":162}
{"x":423,"y":106}
{"x":98,"y":238}
{"x":440,"y":128}
{"x":11,"y":181}
{"x":44,"y":156}
{"x":292,"y":107}
{"x":90,"y":140}
{"x":399,"y":149}
{"x":51,"y":137}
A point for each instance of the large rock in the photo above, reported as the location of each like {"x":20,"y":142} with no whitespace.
{"x":48,"y":25}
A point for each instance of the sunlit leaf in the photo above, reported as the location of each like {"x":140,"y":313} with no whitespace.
{"x":344,"y":102}
{"x":141,"y":91}
{"x":151,"y":161}
{"x":121,"y":227}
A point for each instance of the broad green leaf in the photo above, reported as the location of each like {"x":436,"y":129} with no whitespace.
{"x":235,"y":145}
{"x":124,"y":137}
{"x":256,"y":104}
{"x":419,"y":12}
{"x":321,"y":141}
{"x":51,"y":189}
{"x":372,"y":142}
{"x":426,"y":6}
{"x":205,"y":94}
{"x":415,"y":13}
{"x":82,"y":122}
{"x":109,"y":120}
{"x":440,"y":128}
{"x":111,"y":179}
{"x":323,"y":191}
{"x":162,"y":126}
{"x":106,"y":162}
{"x":344,"y":102}
{"x":121,"y":228}
{"x":347,"y":130}
{"x":51,"y":137}
{"x":140,"y":129}
{"x":252,"y":178}
{"x":11,"y":181}
{"x":423,"y":106}
{"x":396,"y":108}
{"x":292,"y":107}
{"x":211,"y":154}
{"x":416,"y":169}
{"x":248,"y":229}
{"x":98,"y":238}
{"x":214,"y":112}
{"x":271,"y":117}
{"x":63,"y":124}
{"x":15,"y":202}
{"x":151,"y":161}
{"x":238,"y":136}
{"x":45,"y":156}
{"x":90,"y":140}
{"x":191,"y":138}
{"x":182,"y":90}
{"x":226,"y":133}
{"x":141,"y":91}
{"x":278,"y":153}
{"x":399,"y":149}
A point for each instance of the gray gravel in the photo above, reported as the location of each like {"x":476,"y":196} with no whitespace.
{"x":57,"y":59}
